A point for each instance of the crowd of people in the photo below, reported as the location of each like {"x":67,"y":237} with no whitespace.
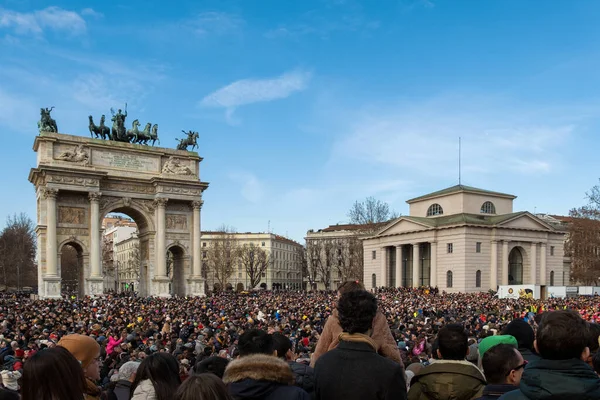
{"x":346,"y":344}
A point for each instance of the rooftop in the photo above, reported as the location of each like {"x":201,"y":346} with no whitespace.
{"x":459,"y":189}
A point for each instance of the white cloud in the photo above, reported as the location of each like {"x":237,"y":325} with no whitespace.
{"x":91,"y":13}
{"x":214,"y":22}
{"x":251,"y":188}
{"x":36,"y":22}
{"x":248,"y":91}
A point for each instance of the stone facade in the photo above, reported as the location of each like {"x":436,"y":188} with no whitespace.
{"x":464,"y":239}
{"x":79,"y":180}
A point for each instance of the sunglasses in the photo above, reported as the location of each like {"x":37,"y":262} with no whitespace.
{"x":525,"y":362}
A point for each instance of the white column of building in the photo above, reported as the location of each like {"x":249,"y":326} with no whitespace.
{"x":161,"y":252}
{"x":533,"y":264}
{"x":505,"y":262}
{"x":415,"y":282}
{"x":383,"y":268}
{"x":494,"y":266}
{"x":433,"y":270}
{"x":51,"y":251}
{"x":398,"y":266}
{"x":197,"y":262}
{"x":95,"y":261}
{"x":543,"y":266}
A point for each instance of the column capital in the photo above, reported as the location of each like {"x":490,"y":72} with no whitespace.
{"x":161,"y":202}
{"x":197,"y":204}
{"x":543,"y":244}
{"x":49,"y":193}
{"x":94,"y":196}
{"x":494,"y":241}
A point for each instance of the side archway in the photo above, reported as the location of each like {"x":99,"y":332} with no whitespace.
{"x":176,"y":266}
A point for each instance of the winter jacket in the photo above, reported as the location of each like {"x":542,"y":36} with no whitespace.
{"x":492,"y":392}
{"x":354,"y":371}
{"x":261,"y":377}
{"x":529,"y":355}
{"x":92,"y":391}
{"x":144,"y":391}
{"x":386,"y":345}
{"x":304,"y":376}
{"x":557,"y":379}
{"x":112,"y":343}
{"x":447,"y":380}
{"x":121,"y":391}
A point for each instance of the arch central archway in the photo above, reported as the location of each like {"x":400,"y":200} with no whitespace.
{"x":515,"y":267}
{"x":72,"y":261}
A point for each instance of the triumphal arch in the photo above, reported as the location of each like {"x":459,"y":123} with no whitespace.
{"x":79,"y":180}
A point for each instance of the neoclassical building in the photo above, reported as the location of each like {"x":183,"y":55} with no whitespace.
{"x":464,"y":239}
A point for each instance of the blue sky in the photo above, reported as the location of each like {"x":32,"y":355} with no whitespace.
{"x":304,"y":107}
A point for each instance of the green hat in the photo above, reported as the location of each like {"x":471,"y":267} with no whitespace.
{"x":492,"y":341}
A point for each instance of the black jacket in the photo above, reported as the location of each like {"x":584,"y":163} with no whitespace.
{"x":557,"y":379}
{"x":491,"y":392}
{"x":304,"y":376}
{"x":121,"y":391}
{"x":529,"y":355}
{"x":262,"y":377}
{"x":354,"y":371}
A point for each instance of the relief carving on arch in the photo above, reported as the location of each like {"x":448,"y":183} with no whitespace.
{"x":71,"y":215}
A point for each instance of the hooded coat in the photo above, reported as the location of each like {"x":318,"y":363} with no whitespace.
{"x":557,"y":379}
{"x":447,"y":380}
{"x":262,"y":377}
{"x":382,"y":336}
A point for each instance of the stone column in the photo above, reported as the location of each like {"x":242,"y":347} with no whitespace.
{"x":383,"y":269}
{"x":433,"y":266}
{"x":197,"y":262}
{"x":543,"y":266}
{"x":51,"y":250}
{"x":95,"y":259}
{"x":398,"y":266}
{"x":533,"y":264}
{"x":415,"y":282}
{"x":160,"y":270}
{"x":494,"y":266}
{"x":505,"y":262}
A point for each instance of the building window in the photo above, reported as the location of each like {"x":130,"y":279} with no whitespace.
{"x":373,"y":281}
{"x":264,"y":275}
{"x":204,"y":254}
{"x":551,"y":250}
{"x":478,"y":247}
{"x":434,"y":209}
{"x":374,"y":254}
{"x":478,"y":278}
{"x":203,"y":244}
{"x":488,"y":208}
{"x":551,"y":278}
{"x":450,"y":248}
{"x":239,"y":274}
{"x":263,"y":244}
{"x":449,"y":279}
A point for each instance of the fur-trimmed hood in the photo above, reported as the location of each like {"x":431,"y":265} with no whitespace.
{"x":259,"y":367}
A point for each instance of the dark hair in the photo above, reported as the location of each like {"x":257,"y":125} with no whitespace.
{"x":53,"y":374}
{"x":562,"y":335}
{"x":596,"y":362}
{"x":594,"y":333}
{"x":434,"y":348}
{"x":213,"y":365}
{"x":452,"y":340}
{"x":356,"y":311}
{"x":255,"y":341}
{"x":8,"y":395}
{"x":162,"y":370}
{"x":498,"y":361}
{"x":522,"y":331}
{"x":202,"y":387}
{"x":350,"y":286}
{"x":281,"y":344}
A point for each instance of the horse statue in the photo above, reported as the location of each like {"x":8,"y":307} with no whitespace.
{"x":46,"y":123}
{"x":154,"y":135}
{"x":144,"y":136}
{"x":133,"y":132}
{"x":102,"y":130}
{"x":189,"y":141}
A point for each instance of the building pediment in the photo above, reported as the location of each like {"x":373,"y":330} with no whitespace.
{"x":403,"y":225}
{"x":525,"y":221}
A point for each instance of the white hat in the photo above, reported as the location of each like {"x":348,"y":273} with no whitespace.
{"x":10,"y":378}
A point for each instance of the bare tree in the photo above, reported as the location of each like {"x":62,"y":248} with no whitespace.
{"x":583,"y":245}
{"x":302,"y":259}
{"x":222,"y":254}
{"x":255,"y":262}
{"x":17,"y":252}
{"x":347,"y":258}
{"x":313,"y":262}
{"x":371,"y":212}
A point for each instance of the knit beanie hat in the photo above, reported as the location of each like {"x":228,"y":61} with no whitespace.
{"x":84,"y":348}
{"x":522,"y":331}
{"x":492,"y":341}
